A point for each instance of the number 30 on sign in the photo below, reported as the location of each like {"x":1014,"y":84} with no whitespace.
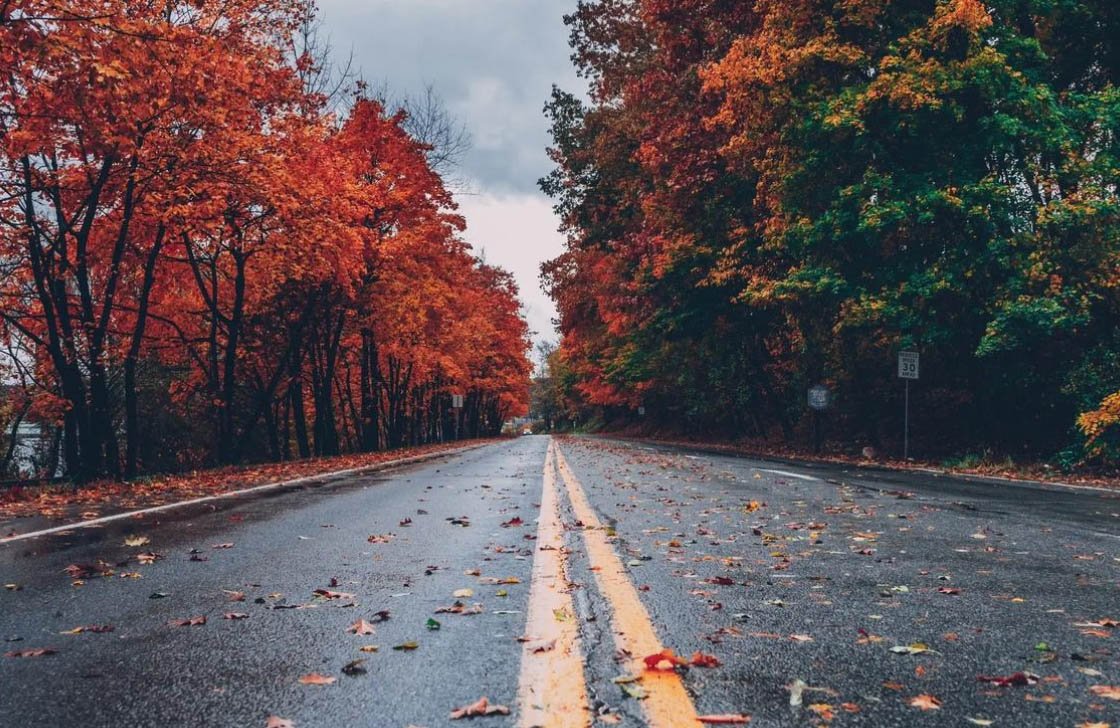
{"x":908,"y":365}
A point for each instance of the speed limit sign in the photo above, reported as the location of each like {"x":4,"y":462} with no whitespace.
{"x":908,"y":365}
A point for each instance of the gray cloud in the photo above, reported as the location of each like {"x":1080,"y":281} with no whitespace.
{"x":492,"y":61}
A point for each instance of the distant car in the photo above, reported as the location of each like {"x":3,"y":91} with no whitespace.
{"x":527,"y":431}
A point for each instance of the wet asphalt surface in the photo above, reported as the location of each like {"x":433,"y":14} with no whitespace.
{"x":828,"y":572}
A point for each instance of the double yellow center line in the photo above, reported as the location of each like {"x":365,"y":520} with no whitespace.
{"x":553,"y":689}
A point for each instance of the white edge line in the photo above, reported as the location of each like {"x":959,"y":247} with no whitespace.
{"x":990,"y":479}
{"x":235,"y":493}
{"x":788,"y":474}
{"x":870,"y":468}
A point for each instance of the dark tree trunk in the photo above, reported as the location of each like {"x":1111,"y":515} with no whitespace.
{"x":131,"y":406}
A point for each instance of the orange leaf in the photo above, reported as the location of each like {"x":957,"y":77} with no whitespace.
{"x":664,"y":660}
{"x":700,"y":659}
{"x":479,"y":708}
{"x":188,"y":622}
{"x":317,"y":679}
{"x":361,"y":627}
{"x":925,"y":702}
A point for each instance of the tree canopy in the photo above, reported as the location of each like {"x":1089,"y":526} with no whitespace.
{"x":204,"y":262}
{"x":764,"y":196}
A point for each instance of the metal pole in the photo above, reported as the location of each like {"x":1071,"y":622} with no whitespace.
{"x":906,"y":425}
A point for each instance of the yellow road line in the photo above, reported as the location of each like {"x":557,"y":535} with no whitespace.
{"x":551,"y":691}
{"x":668,"y":704}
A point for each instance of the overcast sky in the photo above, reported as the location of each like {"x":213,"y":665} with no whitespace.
{"x":493,"y":62}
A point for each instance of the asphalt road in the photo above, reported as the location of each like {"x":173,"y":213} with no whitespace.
{"x":810,"y":586}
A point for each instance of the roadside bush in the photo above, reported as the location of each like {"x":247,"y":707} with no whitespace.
{"x":1101,"y":428}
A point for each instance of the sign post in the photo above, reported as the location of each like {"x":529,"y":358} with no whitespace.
{"x":907,"y":370}
{"x":819,"y":400}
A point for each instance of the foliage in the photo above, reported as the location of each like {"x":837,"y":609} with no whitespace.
{"x":1102,"y":428}
{"x":763,"y":196}
{"x":196,"y":249}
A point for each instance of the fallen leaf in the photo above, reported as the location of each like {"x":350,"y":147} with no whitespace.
{"x":724,"y":719}
{"x":406,"y":646}
{"x":137,"y":541}
{"x":361,"y":627}
{"x":916,"y":648}
{"x":479,"y":708}
{"x":31,"y":652}
{"x":1111,"y":692}
{"x":234,"y":596}
{"x":796,"y":692}
{"x":700,"y":659}
{"x":924,"y":702}
{"x":538,"y":646}
{"x":331,"y":595}
{"x":463,"y":593}
{"x":354,"y":668}
{"x":278,"y":722}
{"x":460,"y":608}
{"x":823,"y":710}
{"x":235,"y":615}
{"x":1003,"y":681}
{"x":368,"y":648}
{"x":664,"y":660}
{"x":188,"y":622}
{"x":637,"y":692}
{"x":1096,"y":633}
{"x":94,"y":628}
{"x":317,"y":679}
{"x":432,"y":625}
{"x":222,"y":546}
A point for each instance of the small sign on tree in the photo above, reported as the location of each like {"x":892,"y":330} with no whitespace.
{"x":819,"y":398}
